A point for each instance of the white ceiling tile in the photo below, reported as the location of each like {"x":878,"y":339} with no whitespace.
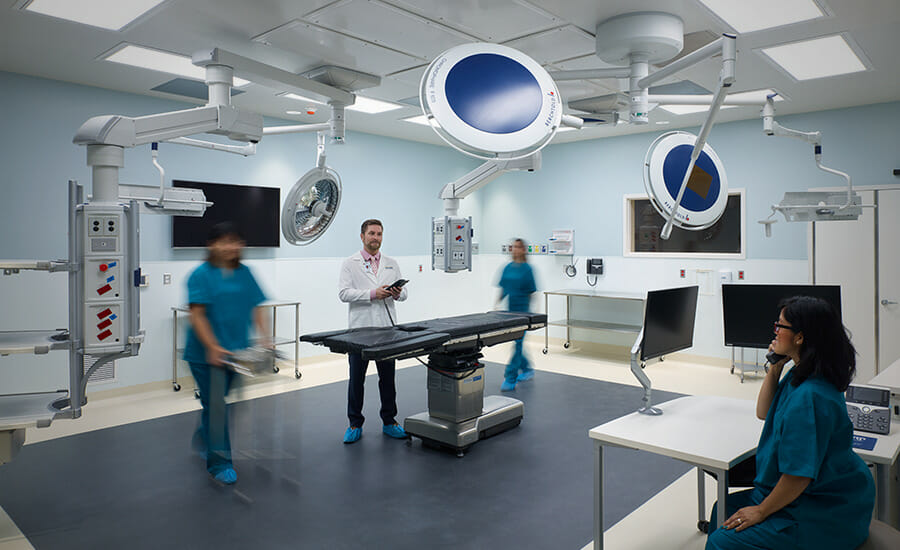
{"x":555,"y":45}
{"x":381,"y":23}
{"x":335,"y":48}
{"x":490,"y":21}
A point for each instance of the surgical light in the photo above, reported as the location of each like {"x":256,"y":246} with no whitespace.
{"x":490,"y":101}
{"x":106,"y":14}
{"x":747,"y":17}
{"x":816,"y":58}
{"x":158,"y":60}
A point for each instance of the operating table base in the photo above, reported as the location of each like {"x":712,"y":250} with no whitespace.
{"x":499,"y":414}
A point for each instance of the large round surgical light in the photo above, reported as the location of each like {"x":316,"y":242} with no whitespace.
{"x":706,"y":195}
{"x":311,"y":206}
{"x":490,"y":101}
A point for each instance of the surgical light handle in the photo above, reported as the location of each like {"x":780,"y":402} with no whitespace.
{"x":726,"y":79}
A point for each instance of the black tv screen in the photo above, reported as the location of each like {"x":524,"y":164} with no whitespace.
{"x":669,"y":321}
{"x":254,"y":210}
{"x":750,"y":311}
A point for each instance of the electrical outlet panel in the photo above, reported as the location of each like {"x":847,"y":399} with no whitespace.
{"x":451,"y":244}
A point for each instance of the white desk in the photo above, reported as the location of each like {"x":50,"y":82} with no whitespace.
{"x":712,"y":433}
{"x":887,"y":484}
{"x":716,"y":433}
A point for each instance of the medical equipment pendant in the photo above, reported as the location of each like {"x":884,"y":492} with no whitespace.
{"x":451,"y":244}
{"x":106,"y":308}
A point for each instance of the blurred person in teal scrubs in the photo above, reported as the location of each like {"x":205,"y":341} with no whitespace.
{"x":811,"y":489}
{"x":517,"y":285}
{"x":224,"y":298}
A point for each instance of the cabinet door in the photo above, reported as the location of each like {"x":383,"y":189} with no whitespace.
{"x":845,"y":255}
{"x":888,"y":277}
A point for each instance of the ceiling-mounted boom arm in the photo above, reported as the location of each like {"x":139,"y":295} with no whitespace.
{"x":726,"y":79}
{"x":481,"y":176}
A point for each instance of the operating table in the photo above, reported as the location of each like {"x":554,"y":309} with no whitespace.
{"x":458,"y":413}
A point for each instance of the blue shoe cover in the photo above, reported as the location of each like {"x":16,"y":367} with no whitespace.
{"x":525,"y":375}
{"x":227,"y":476}
{"x":395,"y":431}
{"x":352,"y":435}
{"x":507,"y":386}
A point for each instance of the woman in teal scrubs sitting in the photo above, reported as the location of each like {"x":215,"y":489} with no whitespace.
{"x":811,"y":490}
{"x":223,"y":297}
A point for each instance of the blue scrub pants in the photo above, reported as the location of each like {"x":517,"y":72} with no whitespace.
{"x":517,"y":363}
{"x":773,"y":533}
{"x":387,"y":389}
{"x":212,"y":433}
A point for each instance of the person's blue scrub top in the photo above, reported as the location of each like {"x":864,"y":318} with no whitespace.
{"x":229,"y":296}
{"x":808,"y":433}
{"x":517,"y":282}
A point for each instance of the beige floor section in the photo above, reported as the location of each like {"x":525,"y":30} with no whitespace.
{"x":667,"y":520}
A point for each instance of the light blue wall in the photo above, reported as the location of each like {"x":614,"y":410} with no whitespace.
{"x":395,"y":180}
{"x":580,"y":185}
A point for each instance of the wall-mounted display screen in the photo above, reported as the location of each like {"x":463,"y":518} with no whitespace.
{"x":254,"y":210}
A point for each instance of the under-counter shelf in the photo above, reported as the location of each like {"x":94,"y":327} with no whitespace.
{"x":596,"y":325}
{"x":37,"y":342}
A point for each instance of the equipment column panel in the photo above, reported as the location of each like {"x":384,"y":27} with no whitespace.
{"x":451,"y":248}
{"x":105,"y":278}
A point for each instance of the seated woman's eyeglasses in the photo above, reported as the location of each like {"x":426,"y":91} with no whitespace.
{"x":780,"y":326}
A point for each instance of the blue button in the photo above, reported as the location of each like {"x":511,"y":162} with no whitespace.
{"x":493,"y":93}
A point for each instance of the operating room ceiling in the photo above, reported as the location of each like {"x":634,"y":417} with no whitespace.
{"x":396,"y":39}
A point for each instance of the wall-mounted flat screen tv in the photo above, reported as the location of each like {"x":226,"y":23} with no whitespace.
{"x":254,"y":210}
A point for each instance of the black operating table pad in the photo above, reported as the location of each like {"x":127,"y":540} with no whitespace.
{"x":447,"y":334}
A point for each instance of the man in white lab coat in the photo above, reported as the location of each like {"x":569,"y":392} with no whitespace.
{"x":364,"y":282}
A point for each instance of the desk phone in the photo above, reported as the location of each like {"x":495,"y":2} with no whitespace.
{"x":869,"y":408}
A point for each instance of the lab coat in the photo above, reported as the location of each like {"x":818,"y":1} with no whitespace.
{"x":355,"y":288}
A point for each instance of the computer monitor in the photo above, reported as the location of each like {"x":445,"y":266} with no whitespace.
{"x":669,"y":321}
{"x":749,"y":311}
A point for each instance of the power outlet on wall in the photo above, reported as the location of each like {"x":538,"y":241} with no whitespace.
{"x":167,"y":278}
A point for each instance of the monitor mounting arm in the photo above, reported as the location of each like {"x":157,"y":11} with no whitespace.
{"x":637,"y":368}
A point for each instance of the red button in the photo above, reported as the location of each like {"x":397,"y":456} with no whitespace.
{"x":103,"y":267}
{"x":104,"y":335}
{"x":104,"y":313}
{"x":104,"y":324}
{"x":104,"y":289}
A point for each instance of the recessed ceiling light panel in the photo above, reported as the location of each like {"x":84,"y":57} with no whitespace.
{"x":816,"y":58}
{"x":158,"y":60}
{"x":744,"y":16}
{"x":107,"y":14}
{"x":372,"y":106}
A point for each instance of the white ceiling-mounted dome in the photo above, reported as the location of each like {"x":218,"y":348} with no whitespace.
{"x":658,"y":36}
{"x":706,"y":195}
{"x":490,"y":101}
{"x":311,"y":206}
